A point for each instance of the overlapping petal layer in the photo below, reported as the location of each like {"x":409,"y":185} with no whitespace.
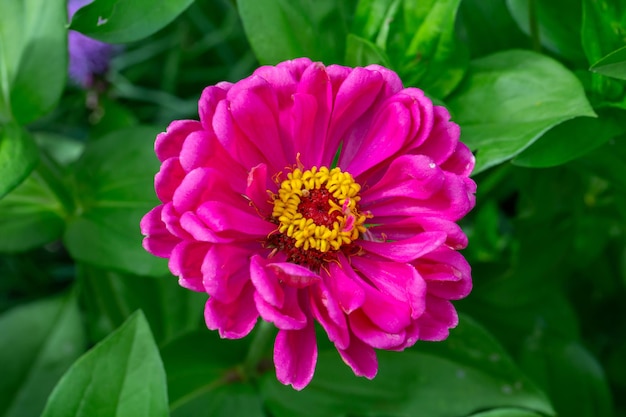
{"x":219,"y":182}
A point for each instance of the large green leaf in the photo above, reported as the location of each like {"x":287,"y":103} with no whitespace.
{"x":39,"y":342}
{"x":361,"y":52}
{"x":558,"y":24}
{"x":198,"y":364}
{"x":235,"y":399}
{"x":18,"y":156}
{"x":612,"y":65}
{"x":486,"y":26}
{"x":115,"y":189}
{"x":120,"y":21}
{"x":109,"y":298}
{"x":281,"y":29}
{"x":122,"y":376}
{"x":573,"y":378}
{"x":33,"y":57}
{"x":467,"y":373}
{"x":507,"y":412}
{"x":603,"y":28}
{"x":572,"y":139}
{"x":34,"y":213}
{"x":510,"y":99}
{"x":423,"y":48}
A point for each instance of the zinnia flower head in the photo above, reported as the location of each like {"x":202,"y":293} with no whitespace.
{"x":310,"y":194}
{"x":87,"y":57}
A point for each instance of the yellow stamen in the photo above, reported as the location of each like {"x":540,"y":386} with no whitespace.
{"x":318,"y":208}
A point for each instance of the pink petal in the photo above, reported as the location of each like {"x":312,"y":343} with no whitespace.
{"x":171,"y":218}
{"x":266,"y":283}
{"x":443,"y":138}
{"x":186,"y":262}
{"x":233,"y":320}
{"x":440,"y":316}
{"x":289,"y":316}
{"x":361,"y":358}
{"x":385,"y":137}
{"x":228,"y":220}
{"x":169,"y":143}
{"x":225,"y":271}
{"x":295,"y":356}
{"x":209,"y":100}
{"x":329,"y":314}
{"x":447,"y":273}
{"x":399,"y":280}
{"x":406,"y":250}
{"x":197,"y":150}
{"x":158,"y":240}
{"x":461,"y":162}
{"x":254,"y":109}
{"x":167,"y":180}
{"x":412,"y":176}
{"x":313,"y":103}
{"x":257,"y":186}
{"x":203,"y":184}
{"x":372,"y":335}
{"x":294,"y":275}
{"x":344,"y":284}
{"x":355,"y":96}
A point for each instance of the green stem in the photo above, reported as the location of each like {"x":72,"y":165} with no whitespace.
{"x":534,"y":25}
{"x":260,"y":345}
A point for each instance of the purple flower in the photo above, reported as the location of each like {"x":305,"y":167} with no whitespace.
{"x":308,"y":193}
{"x":87,"y":57}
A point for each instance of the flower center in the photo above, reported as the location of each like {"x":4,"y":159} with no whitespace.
{"x":317,"y":213}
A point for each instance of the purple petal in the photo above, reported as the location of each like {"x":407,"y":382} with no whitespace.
{"x":440,"y":316}
{"x":344,"y":284}
{"x":368,"y":332}
{"x":329,"y":314}
{"x":220,"y":217}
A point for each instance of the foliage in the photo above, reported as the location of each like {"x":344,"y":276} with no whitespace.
{"x":538,"y":88}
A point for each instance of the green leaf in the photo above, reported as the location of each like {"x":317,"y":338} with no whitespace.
{"x":573,"y":378}
{"x":120,"y":21}
{"x":510,"y":99}
{"x":235,"y":399}
{"x":422,"y":46}
{"x":466,"y":373}
{"x":109,"y":298}
{"x":486,"y":26}
{"x":372,"y":19}
{"x":282,"y":29}
{"x":558,"y":22}
{"x":603,"y":28}
{"x":114,"y":180}
{"x":197,"y":364}
{"x":121,"y":376}
{"x":612,"y":65}
{"x":33,"y":57}
{"x":30,"y":216}
{"x":34,"y":213}
{"x":507,"y":412}
{"x":361,"y":52}
{"x":18,"y":157}
{"x":571,"y":139}
{"x":40,"y":342}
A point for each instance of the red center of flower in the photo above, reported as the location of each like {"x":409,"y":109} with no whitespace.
{"x":317,"y":215}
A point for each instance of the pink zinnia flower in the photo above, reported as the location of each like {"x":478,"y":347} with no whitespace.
{"x":308,"y":193}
